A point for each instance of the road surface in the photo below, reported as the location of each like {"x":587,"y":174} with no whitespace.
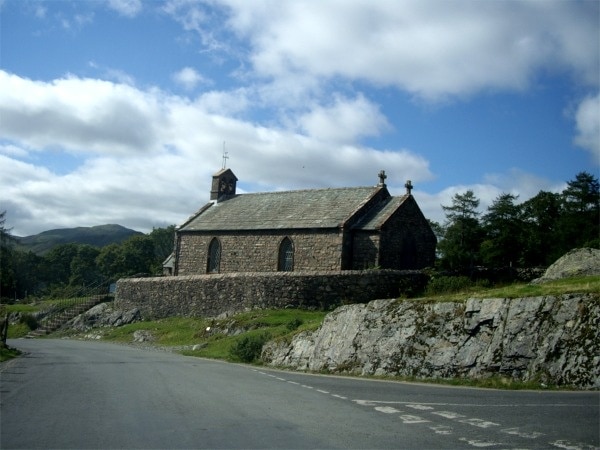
{"x":77,"y":394}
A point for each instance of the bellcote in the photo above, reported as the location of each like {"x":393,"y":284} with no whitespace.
{"x":223,"y":185}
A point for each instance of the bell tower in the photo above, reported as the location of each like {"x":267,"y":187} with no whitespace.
{"x":223,"y":185}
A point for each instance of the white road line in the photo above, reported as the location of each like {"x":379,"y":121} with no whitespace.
{"x":322,"y":391}
{"x":566,"y":445}
{"x":339,"y":396}
{"x":307,"y":387}
{"x":480,"y":444}
{"x":482,"y":405}
{"x":293,"y":382}
{"x":523,"y":434}
{"x":420,"y":407}
{"x":387,"y":409}
{"x":480,"y":423}
{"x":407,"y":418}
{"x":441,"y":429}
{"x":448,"y":414}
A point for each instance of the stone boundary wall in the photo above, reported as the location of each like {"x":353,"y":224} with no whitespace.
{"x":213,"y":295}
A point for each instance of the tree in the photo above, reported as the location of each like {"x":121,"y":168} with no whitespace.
{"x":83,"y":268}
{"x":463,"y":233}
{"x":163,"y":240}
{"x":579,"y":224}
{"x":504,"y":233}
{"x":29,"y":272}
{"x":7,"y":273}
{"x":109,"y":262}
{"x":58,"y":263}
{"x":137,"y":255}
{"x":541,"y":215}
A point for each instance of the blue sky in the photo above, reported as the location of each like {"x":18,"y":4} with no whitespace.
{"x":118,"y":111}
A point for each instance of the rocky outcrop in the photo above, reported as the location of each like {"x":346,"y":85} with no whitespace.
{"x":551,"y":339}
{"x":576,"y":263}
{"x":103,"y":315}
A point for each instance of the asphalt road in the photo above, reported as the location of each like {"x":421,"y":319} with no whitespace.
{"x":75,"y":394}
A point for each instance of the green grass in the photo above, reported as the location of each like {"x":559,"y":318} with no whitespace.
{"x":17,"y":330}
{"x":558,"y":287}
{"x":215,"y":342}
{"x":7,"y":353}
{"x":42,"y":305}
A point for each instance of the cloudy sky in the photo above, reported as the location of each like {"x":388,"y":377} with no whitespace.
{"x":119,"y":111}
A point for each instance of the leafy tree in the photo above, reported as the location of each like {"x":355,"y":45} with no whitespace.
{"x":580,"y":222}
{"x":163,"y":240}
{"x":58,"y":263}
{"x":463,"y":232}
{"x":137,"y":255}
{"x":541,"y":215}
{"x":109,"y":262}
{"x":7,"y":273}
{"x":29,"y":272}
{"x":83,"y":268}
{"x":504,"y":232}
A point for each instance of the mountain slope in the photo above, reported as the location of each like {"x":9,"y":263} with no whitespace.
{"x":98,"y":236}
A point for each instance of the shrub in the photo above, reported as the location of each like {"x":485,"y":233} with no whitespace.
{"x":293,"y":324}
{"x":30,"y":321}
{"x":248,"y":348}
{"x":447,"y":285}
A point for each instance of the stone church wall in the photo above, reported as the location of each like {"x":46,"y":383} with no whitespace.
{"x":318,"y":250}
{"x":212,"y":295}
{"x":407,"y":240}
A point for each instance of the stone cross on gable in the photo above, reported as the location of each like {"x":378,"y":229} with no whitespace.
{"x":382,"y":177}
{"x":409,"y":187}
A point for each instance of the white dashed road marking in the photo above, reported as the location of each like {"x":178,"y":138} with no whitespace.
{"x":407,"y":418}
{"x":448,"y":414}
{"x":420,"y":407}
{"x":429,"y":408}
{"x":479,"y":423}
{"x":480,"y":444}
{"x":387,"y":409}
{"x":523,"y":434}
{"x":441,"y":429}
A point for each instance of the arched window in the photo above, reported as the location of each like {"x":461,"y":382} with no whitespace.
{"x":214,"y":256}
{"x":286,"y":255}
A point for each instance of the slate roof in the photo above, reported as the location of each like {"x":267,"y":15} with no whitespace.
{"x":313,"y":208}
{"x":377,"y":216}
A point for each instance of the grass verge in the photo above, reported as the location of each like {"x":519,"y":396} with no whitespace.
{"x":517,"y":290}
{"x":217,"y":338}
{"x":7,"y":353}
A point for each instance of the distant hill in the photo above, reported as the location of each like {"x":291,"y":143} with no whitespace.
{"x":98,"y":236}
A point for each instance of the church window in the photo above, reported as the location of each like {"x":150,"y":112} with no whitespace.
{"x":286,"y":255}
{"x":214,"y":256}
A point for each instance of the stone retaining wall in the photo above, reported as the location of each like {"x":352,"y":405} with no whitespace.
{"x":212,"y":295}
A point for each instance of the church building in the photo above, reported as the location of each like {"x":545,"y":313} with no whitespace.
{"x":333,"y":229}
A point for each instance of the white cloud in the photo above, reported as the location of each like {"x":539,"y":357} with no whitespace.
{"x":587,"y":121}
{"x":79,"y":115}
{"x":345,"y":120}
{"x":150,"y":155}
{"x":431,"y":48}
{"x":189,"y":78}
{"x":195,"y":16}
{"x":127,"y":8}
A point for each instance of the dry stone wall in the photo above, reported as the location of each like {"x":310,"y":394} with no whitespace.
{"x":213,"y":295}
